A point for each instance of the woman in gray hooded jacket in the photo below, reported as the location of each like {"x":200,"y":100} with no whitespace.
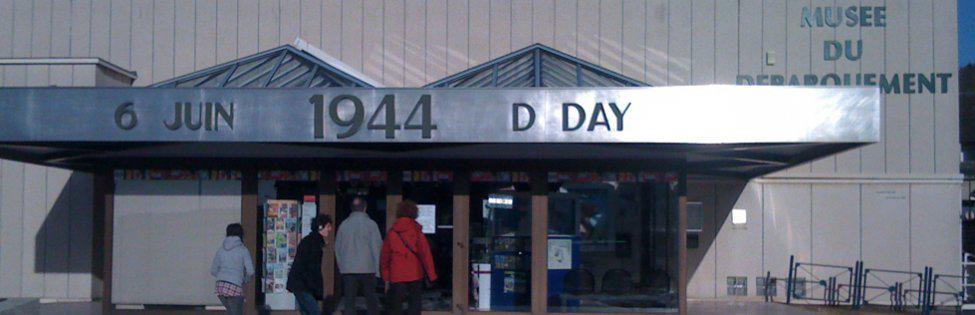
{"x":233,"y":268}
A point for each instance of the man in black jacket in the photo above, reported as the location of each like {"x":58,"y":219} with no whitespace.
{"x":305,"y":276}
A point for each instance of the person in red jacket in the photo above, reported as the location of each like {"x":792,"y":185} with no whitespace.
{"x":405,"y":261}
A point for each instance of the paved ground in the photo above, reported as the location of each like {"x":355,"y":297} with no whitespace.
{"x":27,"y":307}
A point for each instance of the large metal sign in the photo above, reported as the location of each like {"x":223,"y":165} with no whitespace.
{"x":693,"y":114}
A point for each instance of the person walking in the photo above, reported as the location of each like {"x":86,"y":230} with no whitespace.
{"x":405,"y":261}
{"x":305,"y":276}
{"x":357,"y":245}
{"x":233,"y":268}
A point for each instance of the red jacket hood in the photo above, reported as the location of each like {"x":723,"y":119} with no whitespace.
{"x":405,"y":224}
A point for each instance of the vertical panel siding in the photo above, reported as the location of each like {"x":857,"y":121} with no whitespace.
{"x":80,"y":237}
{"x":874,"y":156}
{"x":457,"y":37}
{"x":835,"y":224}
{"x":610,"y":35}
{"x":81,"y":28}
{"x":634,"y":39}
{"x":946,"y":144}
{"x":394,"y":70}
{"x":702,"y":47}
{"x":290,"y":21}
{"x":921,"y":109}
{"x":11,"y":225}
{"x":119,"y":46}
{"x":311,"y":22}
{"x":6,"y":28}
{"x":352,"y":34}
{"x":499,"y":27}
{"x":480,"y":31}
{"x":247,"y":27}
{"x":372,"y":39}
{"x":848,"y":162}
{"x":227,"y":28}
{"x":269,"y":24}
{"x":101,"y":28}
{"x":701,"y":284}
{"x":142,"y":27}
{"x":163,"y":40}
{"x":414,"y":42}
{"x":658,"y":43}
{"x":435,"y":64}
{"x":23,"y":22}
{"x":60,"y":28}
{"x":184,"y":46}
{"x":679,"y":48}
{"x":896,"y":123}
{"x":35,"y":210}
{"x":41,"y":28}
{"x":731,"y":262}
{"x":543,"y":22}
{"x":566,"y":27}
{"x":935,"y":231}
{"x":887,"y":206}
{"x":332,"y":28}
{"x":205,"y":46}
{"x":521,"y":23}
{"x":56,"y":231}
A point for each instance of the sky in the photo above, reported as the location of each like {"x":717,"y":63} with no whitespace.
{"x":966,"y":32}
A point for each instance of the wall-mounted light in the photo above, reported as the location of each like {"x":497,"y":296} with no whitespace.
{"x":739,"y":216}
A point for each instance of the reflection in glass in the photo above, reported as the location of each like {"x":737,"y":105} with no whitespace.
{"x":500,"y":245}
{"x":433,"y":193}
{"x":612,"y":244}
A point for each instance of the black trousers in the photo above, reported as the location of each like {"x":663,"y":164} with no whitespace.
{"x":412,"y":292}
{"x":351,"y":283}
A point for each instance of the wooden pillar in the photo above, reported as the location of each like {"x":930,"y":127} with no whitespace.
{"x":248,"y":219}
{"x":539,"y":243}
{"x":102,"y":233}
{"x":394,"y":194}
{"x":326,"y":206}
{"x":461,"y":255}
{"x":682,"y":255}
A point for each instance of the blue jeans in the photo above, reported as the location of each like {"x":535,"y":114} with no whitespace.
{"x":307,"y":304}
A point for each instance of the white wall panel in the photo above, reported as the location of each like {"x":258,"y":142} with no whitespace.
{"x":100,"y":21}
{"x":414,"y":41}
{"x":921,"y":109}
{"x":6,"y":28}
{"x":311,"y":22}
{"x":35,"y":210}
{"x":703,"y":45}
{"x":543,"y":22}
{"x":80,"y":236}
{"x":206,"y":35}
{"x":835,"y":224}
{"x":726,"y":42}
{"x":479,"y":31}
{"x":587,"y":31}
{"x":634,"y":39}
{"x":500,"y":27}
{"x":143,"y":58}
{"x":435,"y":65}
{"x":873,"y":157}
{"x":352,"y":34}
{"x":22,"y":28}
{"x":372,"y":39}
{"x":164,"y":37}
{"x":269,"y":25}
{"x":896,"y":123}
{"x":40,"y":28}
{"x":227,"y":27}
{"x":610,"y":35}
{"x":247,"y":28}
{"x":291,"y":21}
{"x":732,"y":242}
{"x":566,"y":34}
{"x":119,"y":50}
{"x":658,"y":43}
{"x":935,"y":228}
{"x":886,"y":227}
{"x":11,"y":226}
{"x":184,"y":46}
{"x":946,"y":145}
{"x":702,"y":281}
{"x":60,"y":28}
{"x":457,"y":36}
{"x":679,"y":48}
{"x":81,"y":28}
{"x":394,"y":63}
{"x":332,"y":28}
{"x":56,"y":230}
{"x":521,"y":24}
{"x":786,"y":219}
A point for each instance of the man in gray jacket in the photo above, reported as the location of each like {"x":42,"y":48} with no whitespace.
{"x":233,"y":268}
{"x":357,"y":246}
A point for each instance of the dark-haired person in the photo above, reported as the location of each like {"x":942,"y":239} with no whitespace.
{"x":406,"y":260}
{"x":305,"y":276}
{"x":232,"y":267}
{"x":357,"y":244}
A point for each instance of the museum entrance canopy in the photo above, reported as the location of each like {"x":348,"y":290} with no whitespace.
{"x":721,"y":130}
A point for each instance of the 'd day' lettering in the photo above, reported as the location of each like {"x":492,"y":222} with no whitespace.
{"x":574,"y":116}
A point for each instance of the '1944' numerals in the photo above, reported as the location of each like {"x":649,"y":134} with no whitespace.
{"x":386,"y":122}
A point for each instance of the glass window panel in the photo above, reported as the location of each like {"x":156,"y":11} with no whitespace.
{"x":433,"y":193}
{"x":611,"y":243}
{"x":500,"y":242}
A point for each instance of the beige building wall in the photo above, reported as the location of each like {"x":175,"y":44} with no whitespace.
{"x":881,"y":203}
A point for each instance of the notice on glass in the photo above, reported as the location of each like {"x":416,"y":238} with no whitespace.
{"x":427,"y":218}
{"x":559,"y":254}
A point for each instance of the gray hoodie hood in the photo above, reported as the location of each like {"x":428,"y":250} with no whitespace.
{"x":232,"y":242}
{"x":232,"y":262}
